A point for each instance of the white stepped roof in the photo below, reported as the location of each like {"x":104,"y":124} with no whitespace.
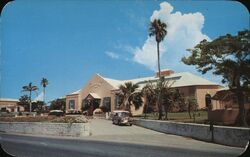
{"x":189,"y":79}
{"x":75,"y":92}
{"x":181,"y":79}
{"x":112,"y":82}
{"x":9,"y":99}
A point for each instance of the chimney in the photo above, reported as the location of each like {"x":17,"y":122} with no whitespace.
{"x":165,"y":72}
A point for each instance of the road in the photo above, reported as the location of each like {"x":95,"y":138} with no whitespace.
{"x":110,"y":140}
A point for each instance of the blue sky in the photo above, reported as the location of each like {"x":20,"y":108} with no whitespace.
{"x":68,"y":41}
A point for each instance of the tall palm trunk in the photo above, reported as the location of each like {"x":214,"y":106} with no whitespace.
{"x":44,"y":95}
{"x":158,"y":58}
{"x":125,"y":103}
{"x":160,"y":83}
{"x":30,"y":102}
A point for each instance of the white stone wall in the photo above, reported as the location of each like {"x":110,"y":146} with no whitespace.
{"x":58,"y":129}
{"x":232,"y":136}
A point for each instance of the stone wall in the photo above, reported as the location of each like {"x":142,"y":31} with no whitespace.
{"x":232,"y":136}
{"x":58,"y":129}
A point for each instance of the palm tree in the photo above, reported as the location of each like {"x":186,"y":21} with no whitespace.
{"x":44,"y":83}
{"x":158,"y":29}
{"x":149,"y":95}
{"x":130,"y":95}
{"x":29,"y":88}
{"x":171,"y":98}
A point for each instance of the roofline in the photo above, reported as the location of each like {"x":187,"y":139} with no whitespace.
{"x":104,"y":78}
{"x":75,"y":92}
{"x":144,"y":80}
{"x":199,"y":85}
{"x":72,"y":94}
{"x":9,"y":100}
{"x":154,"y":79}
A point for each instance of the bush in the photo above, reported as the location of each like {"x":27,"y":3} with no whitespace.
{"x":70,"y":119}
{"x":74,"y":112}
{"x":104,"y":108}
{"x":65,"y":119}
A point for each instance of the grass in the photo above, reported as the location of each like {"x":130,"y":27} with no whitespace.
{"x":201,"y":117}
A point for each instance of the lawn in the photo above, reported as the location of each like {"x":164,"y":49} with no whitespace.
{"x":201,"y":117}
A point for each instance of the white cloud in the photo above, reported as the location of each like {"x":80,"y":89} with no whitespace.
{"x":112,"y":55}
{"x":183,"y":31}
{"x":147,"y":54}
{"x":39,"y":97}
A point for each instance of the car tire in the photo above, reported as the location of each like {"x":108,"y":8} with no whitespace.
{"x":131,"y":124}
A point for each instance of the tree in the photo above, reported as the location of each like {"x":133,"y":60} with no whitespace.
{"x":170,"y":97}
{"x":58,"y":104}
{"x":158,"y":29}
{"x":150,"y":96}
{"x":29,"y":88}
{"x":229,"y":57}
{"x":166,"y":100}
{"x":191,"y":103}
{"x":24,"y":101}
{"x":181,"y":103}
{"x":130,"y":96}
{"x":44,"y":83}
{"x":37,"y":106}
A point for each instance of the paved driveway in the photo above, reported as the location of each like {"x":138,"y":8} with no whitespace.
{"x":104,"y":130}
{"x":100,"y":127}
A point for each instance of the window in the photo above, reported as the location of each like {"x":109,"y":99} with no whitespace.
{"x":118,"y":102}
{"x":96,"y":103}
{"x":3,"y":109}
{"x":85,"y":104}
{"x":71,"y":104}
{"x":107,"y":103}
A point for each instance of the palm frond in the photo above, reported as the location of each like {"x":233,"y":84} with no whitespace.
{"x":158,"y":29}
{"x":44,"y":82}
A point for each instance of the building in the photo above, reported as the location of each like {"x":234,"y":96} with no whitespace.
{"x":226,"y":108}
{"x":100,"y":91}
{"x":10,"y":105}
{"x":225,"y":99}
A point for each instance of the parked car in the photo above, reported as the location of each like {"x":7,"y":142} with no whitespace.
{"x":122,"y":118}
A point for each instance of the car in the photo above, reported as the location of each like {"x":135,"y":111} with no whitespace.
{"x":122,"y":118}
